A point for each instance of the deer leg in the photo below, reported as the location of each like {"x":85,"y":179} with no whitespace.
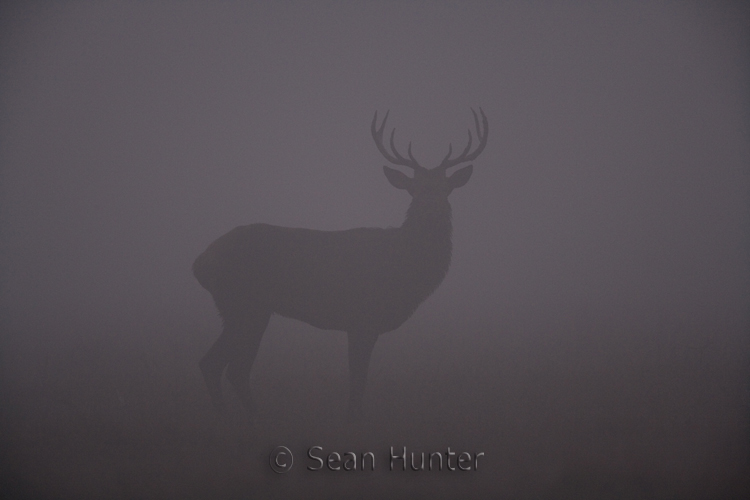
{"x":243,"y":357}
{"x":213,"y":363}
{"x":360,"y":350}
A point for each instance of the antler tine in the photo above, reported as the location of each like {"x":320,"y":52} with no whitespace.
{"x":377,"y":133}
{"x":482,"y":133}
{"x":400,"y":158}
{"x":450,"y":150}
{"x":392,"y":156}
{"x":411,"y":156}
{"x":468,"y":146}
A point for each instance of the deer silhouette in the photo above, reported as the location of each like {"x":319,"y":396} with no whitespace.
{"x":363,"y":281}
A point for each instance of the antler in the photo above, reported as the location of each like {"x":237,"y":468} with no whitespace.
{"x":465,"y":156}
{"x":392,"y":156}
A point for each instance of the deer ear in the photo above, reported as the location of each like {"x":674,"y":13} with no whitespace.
{"x":460,"y":177}
{"x":397,"y":178}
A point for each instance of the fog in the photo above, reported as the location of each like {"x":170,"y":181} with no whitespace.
{"x":590,"y":337}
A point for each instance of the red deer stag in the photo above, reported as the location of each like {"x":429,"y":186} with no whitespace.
{"x":363,"y":281}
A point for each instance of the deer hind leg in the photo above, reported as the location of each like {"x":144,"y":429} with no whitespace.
{"x":360,"y":351}
{"x":243,"y":355}
{"x":212,"y":365}
{"x":235,"y":340}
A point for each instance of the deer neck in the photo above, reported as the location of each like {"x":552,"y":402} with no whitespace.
{"x":428,"y":229}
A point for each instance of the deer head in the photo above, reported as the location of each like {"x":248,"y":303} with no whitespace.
{"x":429,"y":183}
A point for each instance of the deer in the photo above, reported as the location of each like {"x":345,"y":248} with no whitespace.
{"x":362,"y":281}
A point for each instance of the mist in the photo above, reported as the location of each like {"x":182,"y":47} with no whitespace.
{"x":590,"y":337}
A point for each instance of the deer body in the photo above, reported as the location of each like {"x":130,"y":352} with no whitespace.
{"x":364,"y":281}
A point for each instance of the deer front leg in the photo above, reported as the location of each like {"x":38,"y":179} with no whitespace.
{"x":360,"y":350}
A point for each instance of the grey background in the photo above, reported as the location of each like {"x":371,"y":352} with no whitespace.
{"x":590,"y":337}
